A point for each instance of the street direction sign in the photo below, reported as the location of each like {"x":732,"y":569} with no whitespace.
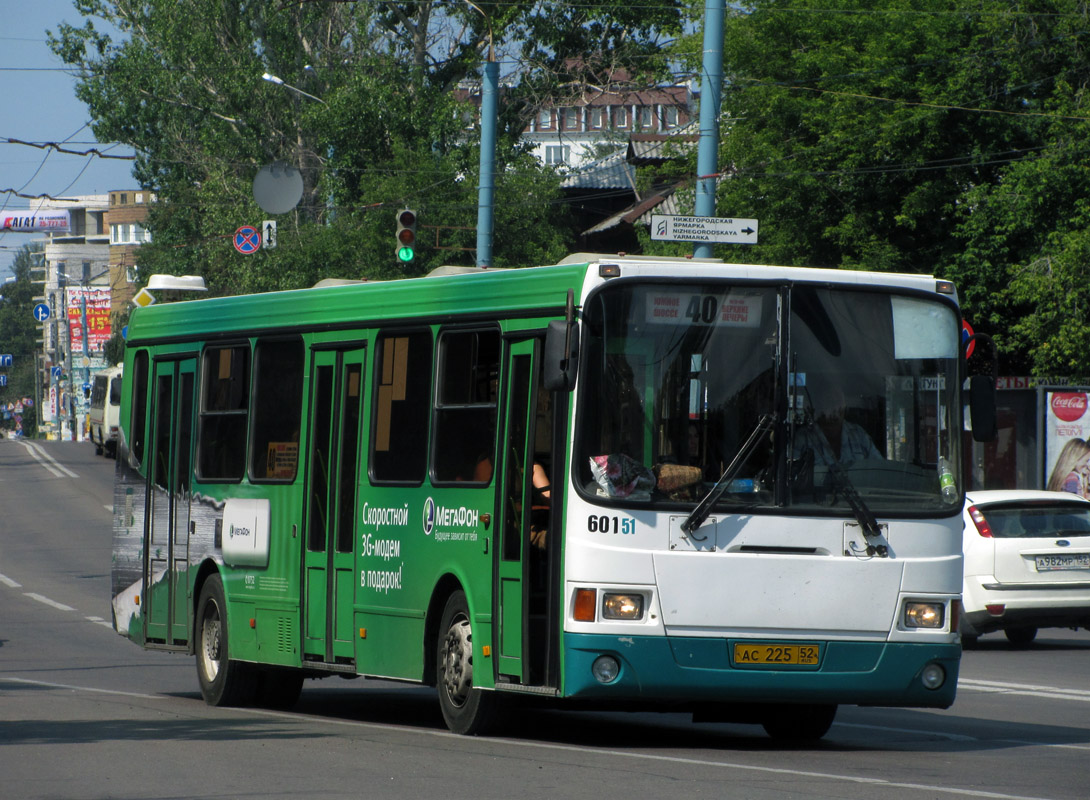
{"x":3,"y":380}
{"x":268,"y":234}
{"x":41,"y":312}
{"x":5,"y":360}
{"x":724,"y":230}
{"x":247,"y":239}
{"x":56,"y":373}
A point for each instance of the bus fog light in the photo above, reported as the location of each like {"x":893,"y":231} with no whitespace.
{"x":622,"y":606}
{"x":924,"y":615}
{"x":605,"y":669}
{"x":933,"y":676}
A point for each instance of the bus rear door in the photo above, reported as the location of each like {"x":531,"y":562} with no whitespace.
{"x":166,"y":544}
{"x":332,"y":477}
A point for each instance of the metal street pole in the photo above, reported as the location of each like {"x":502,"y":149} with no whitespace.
{"x":486,"y":192}
{"x":711,"y":98}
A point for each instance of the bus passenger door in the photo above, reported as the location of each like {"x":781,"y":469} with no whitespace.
{"x":333,"y":469}
{"x":166,"y":534}
{"x":519,"y":558}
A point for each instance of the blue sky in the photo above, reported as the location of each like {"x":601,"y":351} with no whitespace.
{"x":38,"y":104}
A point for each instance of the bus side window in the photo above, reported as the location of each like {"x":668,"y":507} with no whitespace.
{"x":399,"y":435}
{"x":224,"y":411}
{"x":465,"y":414}
{"x":278,"y":409}
{"x":138,"y":431}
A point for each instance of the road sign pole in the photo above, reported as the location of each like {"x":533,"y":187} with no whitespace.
{"x":711,"y":90}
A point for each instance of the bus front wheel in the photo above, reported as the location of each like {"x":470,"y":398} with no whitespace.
{"x":799,"y":723}
{"x":466,"y":709}
{"x":223,"y":682}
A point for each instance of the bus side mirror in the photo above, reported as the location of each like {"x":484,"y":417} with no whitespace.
{"x":561,"y":359}
{"x":982,"y":400}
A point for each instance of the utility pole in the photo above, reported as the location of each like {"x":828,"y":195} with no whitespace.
{"x":711,"y":99}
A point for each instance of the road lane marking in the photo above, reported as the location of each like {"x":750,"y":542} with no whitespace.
{"x":1024,"y":689}
{"x":100,"y":621}
{"x":579,"y":749}
{"x":70,"y":687}
{"x":51,"y":464}
{"x":4,"y":579}
{"x":41,"y":598}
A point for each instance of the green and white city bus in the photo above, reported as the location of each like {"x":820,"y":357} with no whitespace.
{"x":753,"y":510}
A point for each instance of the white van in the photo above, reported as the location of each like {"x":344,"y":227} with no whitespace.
{"x":105,"y":410}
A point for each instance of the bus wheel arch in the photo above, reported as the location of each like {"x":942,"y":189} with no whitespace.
{"x":223,"y":681}
{"x":447,"y":585}
{"x":466,"y":709}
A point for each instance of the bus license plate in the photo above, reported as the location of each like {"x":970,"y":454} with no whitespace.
{"x":1073,"y":561}
{"x":777,"y":654}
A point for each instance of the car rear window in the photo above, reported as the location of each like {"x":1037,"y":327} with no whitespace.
{"x":1024,"y":521}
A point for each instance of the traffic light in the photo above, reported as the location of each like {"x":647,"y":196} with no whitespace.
{"x":406,"y":235}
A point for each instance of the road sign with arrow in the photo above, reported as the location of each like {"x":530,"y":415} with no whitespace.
{"x":724,"y":230}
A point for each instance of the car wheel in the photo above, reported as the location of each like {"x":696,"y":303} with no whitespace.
{"x":1020,"y":636}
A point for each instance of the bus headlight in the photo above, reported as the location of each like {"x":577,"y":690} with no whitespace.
{"x":622,"y":606}
{"x":924,"y":615}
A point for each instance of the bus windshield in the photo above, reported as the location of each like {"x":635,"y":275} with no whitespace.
{"x":843,"y":394}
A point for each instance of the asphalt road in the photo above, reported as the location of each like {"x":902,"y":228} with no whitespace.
{"x":86,"y":714}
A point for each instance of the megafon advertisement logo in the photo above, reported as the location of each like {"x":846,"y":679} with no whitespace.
{"x":429,"y":516}
{"x":1069,"y":406}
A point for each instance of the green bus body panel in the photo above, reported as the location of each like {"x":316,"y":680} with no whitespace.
{"x":677,"y":668}
{"x":384,"y":605}
{"x":498,"y":293}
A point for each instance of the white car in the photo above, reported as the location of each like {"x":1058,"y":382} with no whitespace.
{"x":1027,"y":563}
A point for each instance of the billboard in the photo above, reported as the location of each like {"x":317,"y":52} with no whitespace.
{"x":98,"y":317}
{"x":1067,"y":440}
{"x":53,"y":221}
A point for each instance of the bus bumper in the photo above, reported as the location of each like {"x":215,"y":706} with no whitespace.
{"x":697,"y":669}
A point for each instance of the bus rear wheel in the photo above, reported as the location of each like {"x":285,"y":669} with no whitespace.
{"x":466,"y":710}
{"x":799,"y":723}
{"x":223,"y":682}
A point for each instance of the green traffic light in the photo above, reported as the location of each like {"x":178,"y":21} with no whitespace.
{"x":405,"y":254}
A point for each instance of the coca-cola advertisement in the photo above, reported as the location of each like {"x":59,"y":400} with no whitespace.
{"x":1067,"y":441}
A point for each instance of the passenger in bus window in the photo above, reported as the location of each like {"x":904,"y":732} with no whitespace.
{"x":539,"y":506}
{"x":830,"y":437}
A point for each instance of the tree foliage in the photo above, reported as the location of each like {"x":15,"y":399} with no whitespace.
{"x":371,"y":115}
{"x":18,"y":333}
{"x":936,"y":136}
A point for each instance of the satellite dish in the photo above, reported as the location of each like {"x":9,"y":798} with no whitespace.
{"x":278,"y":187}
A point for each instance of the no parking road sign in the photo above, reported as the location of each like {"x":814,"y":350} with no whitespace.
{"x":247,"y":239}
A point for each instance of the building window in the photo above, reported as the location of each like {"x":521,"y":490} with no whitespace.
{"x":571,"y":119}
{"x":620,"y":117}
{"x":545,"y":119}
{"x":556,"y":154}
{"x":596,"y":118}
{"x":670,"y":115}
{"x":647,"y":117}
{"x":124,"y":199}
{"x":86,"y":271}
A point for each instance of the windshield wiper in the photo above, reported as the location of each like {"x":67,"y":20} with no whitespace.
{"x":863,"y":515}
{"x":704,"y":507}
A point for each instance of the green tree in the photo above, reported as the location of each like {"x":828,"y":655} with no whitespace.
{"x":18,"y":334}
{"x":917,"y":136}
{"x":371,"y":117}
